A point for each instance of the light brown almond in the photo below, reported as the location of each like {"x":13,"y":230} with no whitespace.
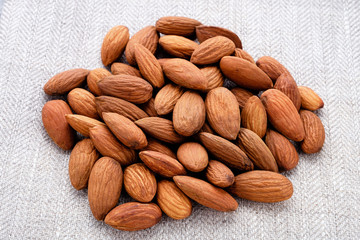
{"x":157,"y":146}
{"x":219,"y":174}
{"x":83,"y":102}
{"x":193,"y":156}
{"x":214,"y":77}
{"x":166,"y":98}
{"x":271,"y":67}
{"x":314,"y":132}
{"x":244,"y":55}
{"x":174,"y":25}
{"x":122,"y":68}
{"x":287,"y":85}
{"x":309,"y":99}
{"x":94,"y":76}
{"x":205,"y":32}
{"x":242,"y":95}
{"x":253,"y":116}
{"x":114,"y":44}
{"x":178,"y":46}
{"x":82,"y":124}
{"x":149,"y":108}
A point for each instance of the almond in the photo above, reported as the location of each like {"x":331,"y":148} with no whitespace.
{"x":256,"y":150}
{"x":178,"y":46}
{"x":193,"y":156}
{"x":122,"y":68}
{"x":253,"y":116}
{"x":219,"y":174}
{"x":271,"y":67}
{"x":134,"y":216}
{"x":114,"y":44}
{"x":65,"y":81}
{"x":53,"y":118}
{"x":174,"y":25}
{"x":162,"y":164}
{"x":244,"y":73}
{"x":189,"y":114}
{"x":309,"y":99}
{"x":82,"y":124}
{"x":241,"y":95}
{"x":205,"y":32}
{"x":244,"y":55}
{"x":94,"y":76}
{"x":82,"y":102}
{"x":314,"y":132}
{"x":166,"y":98}
{"x":157,"y":146}
{"x":107,"y":145}
{"x":81,"y":162}
{"x":149,"y":108}
{"x":212,"y":50}
{"x":262,"y":186}
{"x":286,"y":84}
{"x":214,"y":77}
{"x":105,"y":183}
{"x":127,"y":87}
{"x":206,"y":128}
{"x":223,"y":113}
{"x":206,"y":194}
{"x":283,"y":115}
{"x":140,"y":182}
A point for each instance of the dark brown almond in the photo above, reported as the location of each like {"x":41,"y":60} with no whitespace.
{"x":219,"y":174}
{"x":287,"y":85}
{"x":242,"y":95}
{"x":149,"y":108}
{"x":205,"y":32}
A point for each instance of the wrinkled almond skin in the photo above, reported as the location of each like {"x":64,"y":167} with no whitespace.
{"x":122,"y":68}
{"x":83,"y":102}
{"x":106,"y":143}
{"x":286,"y":84}
{"x":104,"y":188}
{"x":309,"y":99}
{"x":253,"y":116}
{"x":314,"y":132}
{"x":282,"y":149}
{"x":53,"y":118}
{"x":193,"y":156}
{"x":140,"y":182}
{"x":82,"y":160}
{"x":127,"y":87}
{"x":114,"y":44}
{"x":242,"y":95}
{"x":271,"y":67}
{"x":226,"y":152}
{"x":244,"y":55}
{"x":244,"y":73}
{"x":82,"y":124}
{"x":219,"y":174}
{"x":157,"y":146}
{"x":125,"y":130}
{"x":189,"y":114}
{"x":178,"y":46}
{"x":134,"y":216}
{"x":162,"y":164}
{"x":172,"y":201}
{"x":174,"y":25}
{"x":167,"y":97}
{"x":206,"y":128}
{"x":206,"y":194}
{"x":205,"y":32}
{"x":94,"y":76}
{"x":256,"y":150}
{"x":262,"y":186}
{"x":65,"y":81}
{"x":149,"y":108}
{"x":283,"y":115}
{"x":214,"y":77}
{"x":223,"y":113}
{"x":212,"y":50}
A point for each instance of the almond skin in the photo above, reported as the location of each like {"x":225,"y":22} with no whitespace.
{"x":166,"y":98}
{"x":65,"y":81}
{"x":244,"y":73}
{"x":172,"y":201}
{"x":206,"y":194}
{"x":127,"y":87}
{"x":309,"y":99}
{"x":53,"y":118}
{"x":94,"y":76}
{"x":225,"y":151}
{"x":184,"y":73}
{"x":114,"y":44}
{"x":242,"y":95}
{"x":83,"y":102}
{"x":189,"y":114}
{"x":219,"y":174}
{"x":223,"y":113}
{"x":262,"y":186}
{"x":283,"y":115}
{"x":122,"y":68}
{"x":214,"y":77}
{"x":212,"y":50}
{"x":140,"y":182}
{"x":286,"y":84}
{"x":105,"y":183}
{"x":82,"y":124}
{"x":162,"y":164}
{"x":125,"y":130}
{"x":193,"y":156}
{"x":244,"y":55}
{"x":206,"y":128}
{"x":174,"y":25}
{"x":134,"y":216}
{"x":149,"y":108}
{"x":253,"y":116}
{"x":271,"y":67}
{"x":314,"y":132}
{"x":157,"y":146}
{"x":282,"y":149}
{"x":178,"y":46}
{"x":81,"y":162}
{"x":205,"y":32}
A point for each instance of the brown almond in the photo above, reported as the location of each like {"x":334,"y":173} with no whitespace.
{"x":244,"y":55}
{"x":253,"y":116}
{"x":82,"y":124}
{"x":214,"y":77}
{"x":242,"y":95}
{"x":166,"y":98}
{"x":149,"y":108}
{"x":205,"y":32}
{"x":206,"y":128}
{"x":94,"y":76}
{"x":157,"y":146}
{"x":83,"y":102}
{"x":122,"y":68}
{"x":114,"y":44}
{"x":271,"y":67}
{"x":314,"y":132}
{"x":309,"y":99}
{"x":193,"y":156}
{"x":287,"y":85}
{"x":219,"y":174}
{"x":178,"y":46}
{"x":174,"y":25}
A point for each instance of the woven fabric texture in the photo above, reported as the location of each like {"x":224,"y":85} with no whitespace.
{"x":318,"y":41}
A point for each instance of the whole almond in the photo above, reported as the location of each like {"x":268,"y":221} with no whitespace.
{"x":163,"y":60}
{"x":140,"y":182}
{"x":166,"y":98}
{"x":223,"y":113}
{"x":214,"y":77}
{"x":162,"y":164}
{"x":134,"y":216}
{"x":244,"y":73}
{"x":174,"y":25}
{"x":94,"y":76}
{"x":193,"y":156}
{"x":205,"y":32}
{"x":122,"y":68}
{"x":172,"y":201}
{"x":244,"y":55}
{"x":82,"y":160}
{"x":114,"y":44}
{"x":189,"y":114}
{"x":242,"y":95}
{"x":157,"y":146}
{"x":212,"y":50}
{"x":149,"y":108}
{"x":127,"y":87}
{"x":287,"y":85}
{"x":262,"y":186}
{"x":82,"y":102}
{"x":314,"y":132}
{"x":53,"y":118}
{"x":65,"y":81}
{"x":185,"y":74}
{"x":206,"y":194}
{"x":253,"y":116}
{"x":309,"y":99}
{"x":106,"y":143}
{"x":271,"y":67}
{"x":283,"y":115}
{"x":225,"y":151}
{"x":256,"y":150}
{"x":82,"y":124}
{"x":178,"y":46}
{"x":219,"y":174}
{"x":104,"y":188}
{"x":282,"y":149}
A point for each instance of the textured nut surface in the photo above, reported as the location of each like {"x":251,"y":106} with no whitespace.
{"x":244,"y":55}
{"x":83,"y":102}
{"x":157,"y":146}
{"x":253,"y":116}
{"x":174,"y":25}
{"x":205,"y":32}
{"x":178,"y":46}
{"x":219,"y":174}
{"x":193,"y":156}
{"x":314,"y":132}
{"x":242,"y":95}
{"x":114,"y":44}
{"x":286,"y":84}
{"x":94,"y":76}
{"x":167,"y":97}
{"x":122,"y":68}
{"x":309,"y":99}
{"x":271,"y":67}
{"x":214,"y":77}
{"x":82,"y":124}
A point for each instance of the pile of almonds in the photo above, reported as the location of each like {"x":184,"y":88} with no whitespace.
{"x":168,"y":131}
